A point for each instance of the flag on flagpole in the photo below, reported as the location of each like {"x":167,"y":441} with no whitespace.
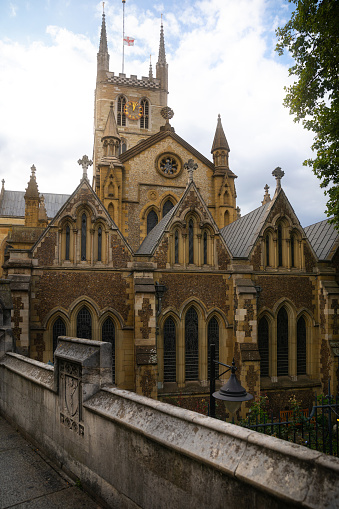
{"x":128,"y":41}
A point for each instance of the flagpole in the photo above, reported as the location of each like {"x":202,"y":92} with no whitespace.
{"x":123,"y":34}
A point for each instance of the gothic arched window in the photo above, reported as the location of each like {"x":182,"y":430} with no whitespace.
{"x":83,"y":236}
{"x":280,"y":249}
{"x":205,"y":248}
{"x":263,"y":346}
{"x":301,"y":346}
{"x":144,"y":120}
{"x":121,"y":116}
{"x":282,"y":342}
{"x":190,"y":242}
{"x":169,"y":351}
{"x":267,"y":246}
{"x":68,"y":242}
{"x":176,"y":247}
{"x":191,"y":345}
{"x":152,"y":220}
{"x":122,"y":146}
{"x":99,"y":243}
{"x":84,"y":324}
{"x":168,"y":205}
{"x":213,"y":338}
{"x":292,"y":243}
{"x":108,"y":335}
{"x":59,"y":329}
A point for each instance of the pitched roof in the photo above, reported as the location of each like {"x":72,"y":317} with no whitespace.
{"x":241,"y":235}
{"x":324,"y":239}
{"x":152,"y":239}
{"x":13,"y":203}
{"x":156,"y":138}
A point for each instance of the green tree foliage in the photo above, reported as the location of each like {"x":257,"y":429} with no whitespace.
{"x":312,"y":38}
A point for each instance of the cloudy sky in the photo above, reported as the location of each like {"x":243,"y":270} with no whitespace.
{"x":221,"y":60}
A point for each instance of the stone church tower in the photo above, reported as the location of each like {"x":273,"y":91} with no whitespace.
{"x":136,"y":102}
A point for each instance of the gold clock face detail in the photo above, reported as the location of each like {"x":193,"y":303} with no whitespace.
{"x":133,"y":110}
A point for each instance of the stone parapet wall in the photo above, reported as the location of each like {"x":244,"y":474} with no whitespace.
{"x":136,"y":452}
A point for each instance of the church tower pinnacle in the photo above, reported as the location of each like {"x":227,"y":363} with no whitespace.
{"x":162,"y":67}
{"x":102,"y":56}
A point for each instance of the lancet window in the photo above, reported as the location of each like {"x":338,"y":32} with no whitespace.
{"x":59,"y":329}
{"x":121,"y":116}
{"x":152,"y":220}
{"x":108,"y":335}
{"x":169,"y":350}
{"x":84,"y":324}
{"x":191,"y":345}
{"x":144,"y":120}
{"x":213,"y":338}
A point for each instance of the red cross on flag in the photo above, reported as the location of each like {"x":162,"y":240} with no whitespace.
{"x":128,"y":41}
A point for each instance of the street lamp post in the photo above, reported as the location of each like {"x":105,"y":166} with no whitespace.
{"x":232,"y":392}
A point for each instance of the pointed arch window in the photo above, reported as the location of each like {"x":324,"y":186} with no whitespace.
{"x":213,"y":338}
{"x":99,"y":243}
{"x":191,"y":345}
{"x":144,"y":120}
{"x":282,"y":342}
{"x":301,"y":346}
{"x":190,"y":242}
{"x":121,"y":116}
{"x":169,"y":350}
{"x":68,"y":242}
{"x":84,"y":324}
{"x":176,"y":247}
{"x":280,"y":247}
{"x":122,"y":146}
{"x":292,"y":243}
{"x":59,"y":329}
{"x":263,"y":346}
{"x":108,"y":335}
{"x":267,"y":246}
{"x":168,"y":205}
{"x":205,"y":248}
{"x":83,"y":236}
{"x":152,"y":220}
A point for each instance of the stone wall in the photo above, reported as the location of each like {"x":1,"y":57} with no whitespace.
{"x":135,"y":452}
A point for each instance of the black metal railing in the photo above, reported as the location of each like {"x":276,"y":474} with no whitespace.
{"x":317,"y":428}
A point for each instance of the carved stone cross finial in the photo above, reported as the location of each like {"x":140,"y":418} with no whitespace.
{"x":190,"y":166}
{"x":85,"y":163}
{"x":278,"y":174}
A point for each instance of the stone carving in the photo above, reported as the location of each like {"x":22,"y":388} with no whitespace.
{"x":85,"y":163}
{"x":70,"y":396}
{"x":147,"y":383}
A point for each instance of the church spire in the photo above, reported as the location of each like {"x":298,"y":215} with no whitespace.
{"x":111,"y":139}
{"x":103,"y":56}
{"x":220,"y":148}
{"x":162,"y":67}
{"x":150,"y":73}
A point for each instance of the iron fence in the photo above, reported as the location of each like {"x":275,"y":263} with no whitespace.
{"x":316,"y":428}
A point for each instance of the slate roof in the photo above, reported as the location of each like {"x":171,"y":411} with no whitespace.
{"x":150,"y":242}
{"x":241,"y":235}
{"x":324,"y":239}
{"x":13,"y":203}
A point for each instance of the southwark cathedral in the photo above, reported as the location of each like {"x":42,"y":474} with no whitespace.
{"x":153,"y":256}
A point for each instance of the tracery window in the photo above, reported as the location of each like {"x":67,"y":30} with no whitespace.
{"x":83,"y":236}
{"x":144,"y":120}
{"x":282,"y":342}
{"x":152,"y":220}
{"x":213,"y":338}
{"x":108,"y":335}
{"x":168,"y":205}
{"x":84,"y":324}
{"x":169,"y":350}
{"x":301,"y":346}
{"x":59,"y":329}
{"x":121,"y":117}
{"x":68,"y":242}
{"x":263,"y":346}
{"x":191,"y":345}
{"x":190,"y":242}
{"x":176,"y":247}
